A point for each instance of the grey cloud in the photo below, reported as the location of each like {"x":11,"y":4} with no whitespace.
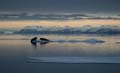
{"x":110,"y":6}
{"x":48,"y":16}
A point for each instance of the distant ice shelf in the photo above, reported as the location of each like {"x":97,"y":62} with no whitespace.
{"x":74,"y":60}
{"x":89,"y":41}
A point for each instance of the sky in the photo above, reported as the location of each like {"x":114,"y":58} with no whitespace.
{"x":98,"y":7}
{"x":57,"y":23}
{"x":71,"y":6}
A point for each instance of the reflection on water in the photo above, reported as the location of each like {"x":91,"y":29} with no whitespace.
{"x":18,"y":47}
{"x":15,"y":53}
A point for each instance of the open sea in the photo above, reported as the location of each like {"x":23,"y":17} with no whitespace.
{"x":19,"y":55}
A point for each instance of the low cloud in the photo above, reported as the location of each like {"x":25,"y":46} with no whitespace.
{"x":59,"y":16}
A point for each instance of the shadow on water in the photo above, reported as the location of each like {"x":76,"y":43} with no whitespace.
{"x":34,"y":44}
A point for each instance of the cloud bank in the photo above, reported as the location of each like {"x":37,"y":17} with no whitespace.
{"x":53,"y":16}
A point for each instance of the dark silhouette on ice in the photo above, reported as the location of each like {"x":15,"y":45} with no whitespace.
{"x":44,"y":39}
{"x":34,"y":41}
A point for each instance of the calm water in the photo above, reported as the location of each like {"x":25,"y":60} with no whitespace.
{"x":16,"y":49}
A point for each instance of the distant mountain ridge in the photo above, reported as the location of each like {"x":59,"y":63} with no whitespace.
{"x":112,"y":30}
{"x":102,"y":30}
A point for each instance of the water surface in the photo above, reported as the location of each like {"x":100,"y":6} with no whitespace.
{"x":15,"y":50}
